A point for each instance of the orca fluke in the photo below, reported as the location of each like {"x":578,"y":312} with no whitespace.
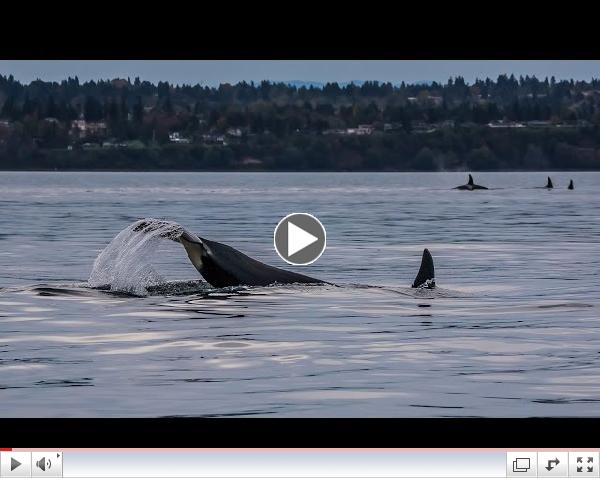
{"x":426,"y":275}
{"x":570,"y":186}
{"x":470,"y":186}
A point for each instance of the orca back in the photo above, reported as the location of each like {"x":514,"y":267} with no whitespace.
{"x":470,"y":186}
{"x":224,"y":266}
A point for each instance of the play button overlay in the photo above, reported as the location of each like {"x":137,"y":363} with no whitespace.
{"x":14,"y":464}
{"x":300,"y":239}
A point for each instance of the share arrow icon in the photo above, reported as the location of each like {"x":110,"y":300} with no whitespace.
{"x":550,"y":466}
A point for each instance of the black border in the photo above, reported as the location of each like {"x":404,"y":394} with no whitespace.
{"x":300,"y":433}
{"x":305,"y":31}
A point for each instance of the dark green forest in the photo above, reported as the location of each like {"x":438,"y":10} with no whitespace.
{"x":508,"y":123}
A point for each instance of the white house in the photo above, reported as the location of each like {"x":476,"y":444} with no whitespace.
{"x":177,"y":138}
{"x":235,"y":132}
{"x":86,"y":128}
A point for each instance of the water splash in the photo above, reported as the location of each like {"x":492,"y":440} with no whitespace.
{"x":126,"y":264}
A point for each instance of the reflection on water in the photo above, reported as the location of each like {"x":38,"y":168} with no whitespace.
{"x":513,"y":329}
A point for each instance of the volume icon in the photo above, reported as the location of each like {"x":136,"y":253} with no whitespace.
{"x":43,"y":463}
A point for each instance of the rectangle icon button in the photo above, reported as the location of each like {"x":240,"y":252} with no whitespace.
{"x":521,"y":464}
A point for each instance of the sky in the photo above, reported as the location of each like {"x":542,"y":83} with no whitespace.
{"x":214,"y":72}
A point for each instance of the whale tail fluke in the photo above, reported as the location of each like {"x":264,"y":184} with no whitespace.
{"x":470,"y":183}
{"x":426,"y":275}
{"x":165,"y":229}
{"x":571,"y":185}
{"x":549,"y":185}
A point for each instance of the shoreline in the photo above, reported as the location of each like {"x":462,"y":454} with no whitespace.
{"x":295,"y":171}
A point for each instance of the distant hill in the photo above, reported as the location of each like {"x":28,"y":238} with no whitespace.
{"x":321,"y":84}
{"x":306,"y":84}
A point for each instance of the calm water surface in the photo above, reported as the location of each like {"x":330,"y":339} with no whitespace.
{"x":512,"y":330}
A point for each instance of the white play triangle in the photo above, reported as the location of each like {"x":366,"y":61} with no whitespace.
{"x":298,"y":239}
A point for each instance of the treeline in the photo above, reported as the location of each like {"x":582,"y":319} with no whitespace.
{"x":474,"y":149}
{"x":435,"y":126}
{"x":259,"y":106}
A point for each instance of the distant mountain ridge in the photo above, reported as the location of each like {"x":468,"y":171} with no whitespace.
{"x":321,"y":84}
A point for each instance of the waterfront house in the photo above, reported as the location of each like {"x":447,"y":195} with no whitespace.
{"x":87,"y":128}
{"x":177,"y":138}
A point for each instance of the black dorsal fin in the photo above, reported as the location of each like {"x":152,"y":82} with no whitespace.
{"x":470,"y":183}
{"x":426,"y":271}
{"x":549,"y":185}
{"x":571,"y":185}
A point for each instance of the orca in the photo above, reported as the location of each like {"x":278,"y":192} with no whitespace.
{"x":426,"y":275}
{"x":549,"y":184}
{"x":570,"y":186}
{"x":470,"y":186}
{"x":223,"y":266}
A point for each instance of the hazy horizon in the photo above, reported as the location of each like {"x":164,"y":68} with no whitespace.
{"x":214,"y":72}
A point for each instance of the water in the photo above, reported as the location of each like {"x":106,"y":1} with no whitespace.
{"x":513,"y":328}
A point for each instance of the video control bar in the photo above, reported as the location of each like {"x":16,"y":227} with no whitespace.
{"x":297,"y":463}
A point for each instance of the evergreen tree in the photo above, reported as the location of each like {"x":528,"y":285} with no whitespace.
{"x":138,"y":110}
{"x":92,"y":109}
{"x":123,"y":108}
{"x":9,"y":110}
{"x":52,"y":110}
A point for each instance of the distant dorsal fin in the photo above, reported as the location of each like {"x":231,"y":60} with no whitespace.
{"x":470,"y":183}
{"x":549,"y":185}
{"x":426,"y":271}
{"x":571,"y":186}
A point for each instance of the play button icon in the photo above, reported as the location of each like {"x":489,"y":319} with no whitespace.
{"x":16,"y":464}
{"x":300,"y":239}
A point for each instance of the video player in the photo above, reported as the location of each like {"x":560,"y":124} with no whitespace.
{"x":188,"y":240}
